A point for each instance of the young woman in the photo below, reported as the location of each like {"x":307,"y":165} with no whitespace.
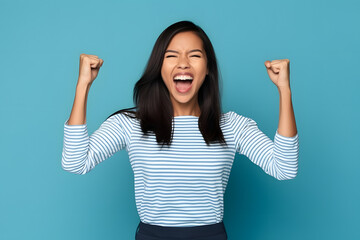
{"x":181,"y":146}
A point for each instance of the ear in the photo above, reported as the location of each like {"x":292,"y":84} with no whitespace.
{"x":207,"y":71}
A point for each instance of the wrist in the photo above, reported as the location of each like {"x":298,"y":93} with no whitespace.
{"x":80,"y":86}
{"x":284,"y":90}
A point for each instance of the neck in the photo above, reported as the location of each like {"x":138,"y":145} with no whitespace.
{"x":185,"y":109}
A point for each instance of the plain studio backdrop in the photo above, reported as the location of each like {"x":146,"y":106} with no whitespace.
{"x":40,"y":45}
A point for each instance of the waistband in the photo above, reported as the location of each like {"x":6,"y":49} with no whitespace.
{"x":181,"y":232}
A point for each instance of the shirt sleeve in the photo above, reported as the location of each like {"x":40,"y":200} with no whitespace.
{"x":278,"y":158}
{"x":82,"y":152}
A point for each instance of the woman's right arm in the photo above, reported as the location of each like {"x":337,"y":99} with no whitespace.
{"x":78,"y":112}
{"x":81,"y":153}
{"x":88,"y":70}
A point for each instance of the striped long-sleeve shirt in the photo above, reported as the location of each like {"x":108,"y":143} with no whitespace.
{"x":184,"y":184}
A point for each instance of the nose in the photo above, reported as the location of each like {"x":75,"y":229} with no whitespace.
{"x":183,"y":62}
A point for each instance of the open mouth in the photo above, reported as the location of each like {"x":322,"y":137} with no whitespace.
{"x":183,"y":83}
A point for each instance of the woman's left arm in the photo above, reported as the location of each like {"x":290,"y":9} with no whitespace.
{"x":279,"y":73}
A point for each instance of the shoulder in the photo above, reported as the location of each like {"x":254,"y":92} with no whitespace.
{"x":236,"y":120}
{"x":122,"y":118}
{"x":232,"y":116}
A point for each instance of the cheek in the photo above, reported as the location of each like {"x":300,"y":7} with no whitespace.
{"x":166,"y":71}
{"x":163,"y":73}
{"x":201,"y":66}
{"x":201,"y":83}
{"x":202,"y":70}
{"x":166,"y":78}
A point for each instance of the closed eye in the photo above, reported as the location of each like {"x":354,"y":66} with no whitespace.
{"x":168,"y":56}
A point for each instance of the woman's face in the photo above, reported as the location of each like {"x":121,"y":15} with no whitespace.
{"x":184,"y":68}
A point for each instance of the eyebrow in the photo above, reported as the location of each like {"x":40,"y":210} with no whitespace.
{"x":194,"y":50}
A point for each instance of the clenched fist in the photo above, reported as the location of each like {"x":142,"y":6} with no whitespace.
{"x":89,"y":68}
{"x":279,"y":72}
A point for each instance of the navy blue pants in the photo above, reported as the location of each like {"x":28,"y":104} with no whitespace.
{"x":147,"y":231}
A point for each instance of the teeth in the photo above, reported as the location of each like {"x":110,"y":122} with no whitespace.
{"x":183,"y":77}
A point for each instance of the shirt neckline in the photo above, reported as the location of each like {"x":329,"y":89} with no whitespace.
{"x":186,"y":116}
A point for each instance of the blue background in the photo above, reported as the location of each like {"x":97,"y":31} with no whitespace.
{"x":40,"y":45}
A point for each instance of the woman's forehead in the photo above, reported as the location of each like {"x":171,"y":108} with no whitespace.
{"x":186,"y":40}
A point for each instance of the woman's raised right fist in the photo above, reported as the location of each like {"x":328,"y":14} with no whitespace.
{"x":89,"y":68}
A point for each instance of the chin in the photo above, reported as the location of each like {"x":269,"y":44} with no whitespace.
{"x":184,"y":99}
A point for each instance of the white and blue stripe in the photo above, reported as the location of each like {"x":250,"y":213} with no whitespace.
{"x":182,"y":185}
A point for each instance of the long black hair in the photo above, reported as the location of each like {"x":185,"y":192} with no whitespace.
{"x":152,"y":100}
